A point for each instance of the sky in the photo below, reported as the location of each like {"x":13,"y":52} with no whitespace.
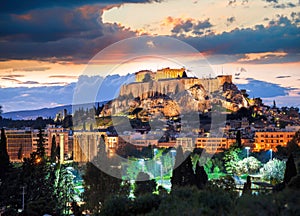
{"x":46,"y":46}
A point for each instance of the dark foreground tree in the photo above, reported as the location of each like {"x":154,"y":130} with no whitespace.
{"x":144,"y":185}
{"x":98,"y":184}
{"x":290,"y":169}
{"x":4,"y":157}
{"x":39,"y":179}
{"x":53,"y":149}
{"x":184,"y":175}
{"x":177,"y":175}
{"x":201,"y":176}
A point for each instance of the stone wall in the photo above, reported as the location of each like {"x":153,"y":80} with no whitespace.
{"x":166,"y":86}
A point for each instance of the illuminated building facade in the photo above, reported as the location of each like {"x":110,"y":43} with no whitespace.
{"x":217,"y":144}
{"x":165,"y":73}
{"x":266,"y":140}
{"x":86,"y":144}
{"x":19,"y":144}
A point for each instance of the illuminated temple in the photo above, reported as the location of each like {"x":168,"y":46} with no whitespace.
{"x":165,"y":73}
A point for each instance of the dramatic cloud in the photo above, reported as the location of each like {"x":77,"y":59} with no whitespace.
{"x":16,"y":6}
{"x":189,"y":26}
{"x":280,"y":35}
{"x":261,"y":56}
{"x":283,"y":6}
{"x":64,"y":30}
{"x":67,"y":35}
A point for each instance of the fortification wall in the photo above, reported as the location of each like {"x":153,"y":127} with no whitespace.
{"x":166,"y":86}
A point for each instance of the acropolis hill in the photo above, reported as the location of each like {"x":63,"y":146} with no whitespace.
{"x":166,"y":80}
{"x":171,"y":92}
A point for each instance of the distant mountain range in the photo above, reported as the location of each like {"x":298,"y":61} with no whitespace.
{"x":33,"y":114}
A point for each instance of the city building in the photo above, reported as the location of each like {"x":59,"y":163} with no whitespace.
{"x":86,"y":145}
{"x":266,"y":140}
{"x":19,"y":144}
{"x":218,"y":144}
{"x":186,"y":143}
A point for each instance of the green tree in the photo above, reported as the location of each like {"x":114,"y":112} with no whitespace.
{"x":231,"y":159}
{"x":64,"y":189}
{"x":4,"y":157}
{"x":249,"y":165}
{"x":144,"y":185}
{"x":273,"y":171}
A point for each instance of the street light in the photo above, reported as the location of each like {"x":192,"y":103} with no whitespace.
{"x":173,"y":153}
{"x":155,"y":151}
{"x":271,"y":154}
{"x":161,"y":172}
{"x":247,"y":149}
{"x":142,"y":162}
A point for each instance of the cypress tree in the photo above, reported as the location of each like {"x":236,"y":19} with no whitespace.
{"x":53,"y":149}
{"x":176,"y":174}
{"x":100,"y":185}
{"x":183,"y":174}
{"x":20,"y":153}
{"x":41,"y":144}
{"x":201,"y":176}
{"x":188,"y":175}
{"x":290,"y":170}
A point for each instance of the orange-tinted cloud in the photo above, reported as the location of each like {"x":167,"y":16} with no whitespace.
{"x":261,"y":56}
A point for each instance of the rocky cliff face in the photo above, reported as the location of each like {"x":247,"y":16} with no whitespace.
{"x":173,"y":97}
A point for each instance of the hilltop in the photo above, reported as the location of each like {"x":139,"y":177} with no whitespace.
{"x":171,"y":93}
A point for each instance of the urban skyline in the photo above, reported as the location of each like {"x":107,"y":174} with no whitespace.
{"x":46,"y":47}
